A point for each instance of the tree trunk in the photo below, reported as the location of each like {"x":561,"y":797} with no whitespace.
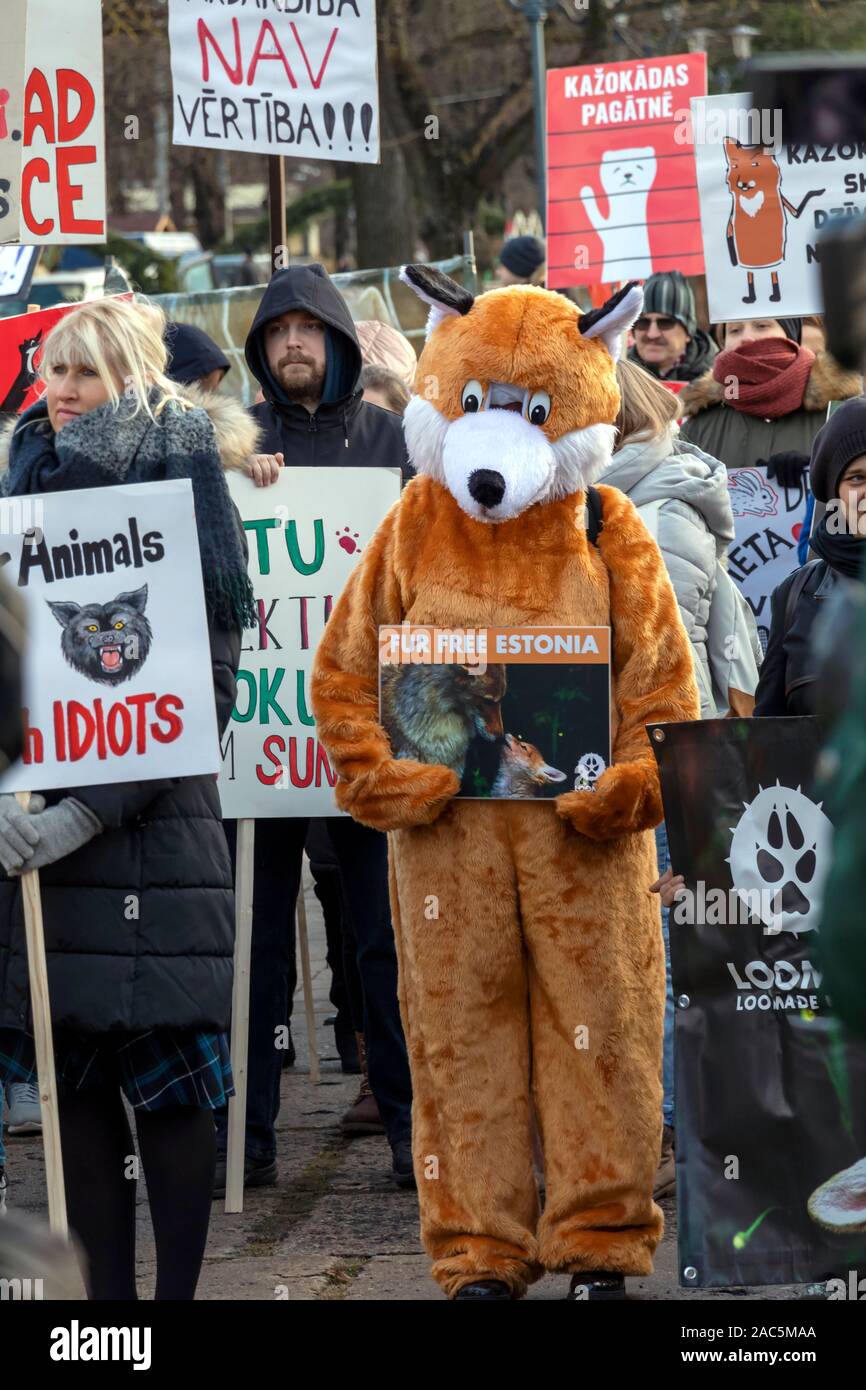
{"x":385,"y":225}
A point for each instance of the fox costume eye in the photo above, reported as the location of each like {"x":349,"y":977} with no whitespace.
{"x":473,"y":397}
{"x":538,"y":408}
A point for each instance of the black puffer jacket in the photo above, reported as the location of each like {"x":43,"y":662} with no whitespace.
{"x":344,"y":432}
{"x":790,"y":670}
{"x":139,"y":923}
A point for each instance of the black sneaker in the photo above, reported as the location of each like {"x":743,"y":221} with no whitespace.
{"x":258,"y":1172}
{"x":596,"y":1286}
{"x":401,"y":1167}
{"x":485,"y":1288}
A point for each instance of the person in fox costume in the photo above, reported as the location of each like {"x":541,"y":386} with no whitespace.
{"x":530,"y":952}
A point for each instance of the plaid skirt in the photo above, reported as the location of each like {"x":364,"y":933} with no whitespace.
{"x":156,"y":1069}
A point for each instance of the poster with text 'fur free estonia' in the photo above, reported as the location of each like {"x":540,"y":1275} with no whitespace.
{"x":117,"y":671}
{"x":763,"y":204}
{"x":519,"y":714}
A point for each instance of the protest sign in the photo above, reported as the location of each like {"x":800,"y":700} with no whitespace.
{"x":768,"y":519}
{"x":21,"y":339}
{"x":305,"y":534}
{"x":518,"y":713}
{"x":17,"y":264}
{"x":763,"y":204}
{"x":12,"y":59}
{"x":622,"y":199}
{"x":294,"y":77}
{"x":117,"y":671}
{"x":771,"y":1133}
{"x":52,"y":124}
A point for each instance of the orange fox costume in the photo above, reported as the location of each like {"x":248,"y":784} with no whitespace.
{"x":519,"y":925}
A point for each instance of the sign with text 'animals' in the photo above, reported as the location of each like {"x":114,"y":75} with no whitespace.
{"x":293,"y":77}
{"x":622,"y":200}
{"x":305,"y":534}
{"x":517,"y":713}
{"x":117,"y":671}
{"x":763,"y":204}
{"x":52,"y":122}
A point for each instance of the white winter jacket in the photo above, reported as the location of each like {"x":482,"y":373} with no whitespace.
{"x":682,"y":496}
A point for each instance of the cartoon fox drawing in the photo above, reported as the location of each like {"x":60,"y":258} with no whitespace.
{"x":522,"y":770}
{"x":757,"y":226}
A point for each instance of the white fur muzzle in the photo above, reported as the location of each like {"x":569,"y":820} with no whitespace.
{"x":479,"y":455}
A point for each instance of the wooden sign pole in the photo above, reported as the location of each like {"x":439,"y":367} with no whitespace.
{"x":240,"y":1016}
{"x":41,"y":1008}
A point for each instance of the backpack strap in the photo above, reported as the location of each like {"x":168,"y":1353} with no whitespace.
{"x":594,"y":515}
{"x":798,"y":585}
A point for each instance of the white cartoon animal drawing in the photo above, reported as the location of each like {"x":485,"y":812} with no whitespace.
{"x":751,"y":494}
{"x":626,"y":177}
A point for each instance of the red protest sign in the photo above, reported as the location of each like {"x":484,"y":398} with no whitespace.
{"x":21,"y":340}
{"x":622,"y":198}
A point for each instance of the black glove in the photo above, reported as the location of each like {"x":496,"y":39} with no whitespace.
{"x":787,"y":469}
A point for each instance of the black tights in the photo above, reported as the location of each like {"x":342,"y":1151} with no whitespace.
{"x":178,"y":1155}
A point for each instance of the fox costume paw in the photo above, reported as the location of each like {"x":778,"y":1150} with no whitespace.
{"x":398,"y":794}
{"x":627,"y":799}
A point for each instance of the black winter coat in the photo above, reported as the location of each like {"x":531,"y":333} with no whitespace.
{"x":139,"y":923}
{"x":345,"y":433}
{"x":790,"y":670}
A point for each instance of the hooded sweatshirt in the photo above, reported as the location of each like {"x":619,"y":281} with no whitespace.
{"x":344,"y":430}
{"x":683,"y":497}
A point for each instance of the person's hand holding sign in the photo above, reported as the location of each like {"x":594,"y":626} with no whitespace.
{"x":668,"y":887}
{"x":264,"y":469}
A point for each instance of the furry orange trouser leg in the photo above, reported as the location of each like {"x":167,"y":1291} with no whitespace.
{"x":464,"y":1000}
{"x":506,"y":931}
{"x":597,"y":1009}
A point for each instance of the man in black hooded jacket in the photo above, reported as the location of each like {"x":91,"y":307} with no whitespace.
{"x":303,"y":350}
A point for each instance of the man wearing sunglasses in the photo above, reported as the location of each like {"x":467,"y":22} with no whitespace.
{"x":667,"y":340}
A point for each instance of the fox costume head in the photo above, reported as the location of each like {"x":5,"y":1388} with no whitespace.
{"x":516,"y":392}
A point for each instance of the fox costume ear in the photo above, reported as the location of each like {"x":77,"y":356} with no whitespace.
{"x":446,"y":298}
{"x":613,"y":318}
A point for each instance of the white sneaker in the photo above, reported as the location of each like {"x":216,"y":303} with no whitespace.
{"x":25,"y":1115}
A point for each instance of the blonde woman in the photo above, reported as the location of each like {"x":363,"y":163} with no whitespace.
{"x":140,"y":1007}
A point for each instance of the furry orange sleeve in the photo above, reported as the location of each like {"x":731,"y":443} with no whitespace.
{"x":374,"y":787}
{"x":653,"y":677}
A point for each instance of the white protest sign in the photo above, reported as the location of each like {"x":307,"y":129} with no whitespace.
{"x":11,"y":116}
{"x":295,"y":77}
{"x":762,"y":207}
{"x":117,"y":674}
{"x":768,"y":519}
{"x":54,"y":145}
{"x":305,"y":534}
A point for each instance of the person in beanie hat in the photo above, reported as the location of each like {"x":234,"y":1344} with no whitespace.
{"x":667,"y":340}
{"x":193,"y":358}
{"x":837,"y":472}
{"x":758,"y":410}
{"x":521,"y":261}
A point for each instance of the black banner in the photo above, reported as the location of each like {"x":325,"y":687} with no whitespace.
{"x":770,"y":1092}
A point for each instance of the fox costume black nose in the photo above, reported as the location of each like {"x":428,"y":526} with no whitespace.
{"x":487,"y":487}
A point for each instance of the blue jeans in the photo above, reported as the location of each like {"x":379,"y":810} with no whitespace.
{"x":668,"y":1054}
